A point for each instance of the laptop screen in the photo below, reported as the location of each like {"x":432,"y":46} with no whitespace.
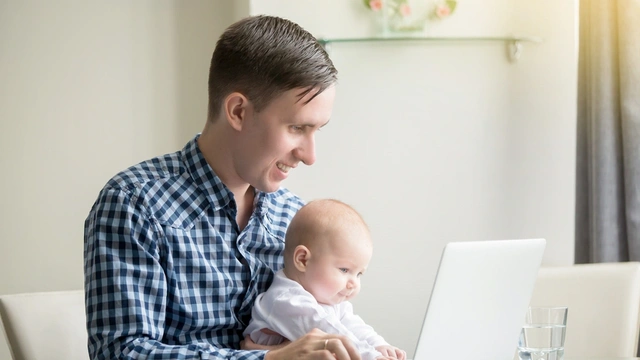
{"x":479,"y":298}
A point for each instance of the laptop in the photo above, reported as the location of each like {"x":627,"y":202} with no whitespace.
{"x":479,"y":299}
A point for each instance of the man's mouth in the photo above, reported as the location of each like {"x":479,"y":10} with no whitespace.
{"x":284,"y":168}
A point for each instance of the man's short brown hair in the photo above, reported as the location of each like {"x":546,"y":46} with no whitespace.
{"x":264,"y":56}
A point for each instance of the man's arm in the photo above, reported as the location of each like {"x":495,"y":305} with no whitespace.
{"x":126,"y":287}
{"x":313,"y":345}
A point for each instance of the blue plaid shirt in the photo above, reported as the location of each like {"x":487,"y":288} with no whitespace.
{"x":168,"y":274}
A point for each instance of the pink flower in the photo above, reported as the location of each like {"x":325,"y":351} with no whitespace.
{"x":375,"y":5}
{"x":405,"y":10}
{"x":442,"y":11}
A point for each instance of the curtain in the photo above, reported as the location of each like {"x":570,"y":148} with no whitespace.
{"x":608,"y":132}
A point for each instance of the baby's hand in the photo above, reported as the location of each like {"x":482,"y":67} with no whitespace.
{"x":391,"y":352}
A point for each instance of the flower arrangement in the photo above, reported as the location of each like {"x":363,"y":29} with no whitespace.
{"x":403,"y":15}
{"x":444,"y":9}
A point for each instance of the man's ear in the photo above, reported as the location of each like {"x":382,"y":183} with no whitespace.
{"x":236,"y":107}
{"x":301,"y":255}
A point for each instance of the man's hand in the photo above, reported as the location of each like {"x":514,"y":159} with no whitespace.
{"x":391,"y":352}
{"x":314,"y":345}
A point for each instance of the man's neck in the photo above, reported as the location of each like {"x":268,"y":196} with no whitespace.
{"x":212,"y":146}
{"x":245,"y":207}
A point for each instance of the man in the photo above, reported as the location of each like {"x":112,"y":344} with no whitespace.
{"x":178,"y":247}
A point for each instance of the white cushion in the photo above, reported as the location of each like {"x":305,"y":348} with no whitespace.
{"x":47,"y":325}
{"x":604,"y":306}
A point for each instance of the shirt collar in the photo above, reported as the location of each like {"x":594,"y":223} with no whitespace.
{"x":210,"y":184}
{"x":203,"y":175}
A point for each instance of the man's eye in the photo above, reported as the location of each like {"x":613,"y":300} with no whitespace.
{"x":344,"y":270}
{"x":296,"y":128}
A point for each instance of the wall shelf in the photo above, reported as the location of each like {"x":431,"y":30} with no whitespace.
{"x":514,"y":43}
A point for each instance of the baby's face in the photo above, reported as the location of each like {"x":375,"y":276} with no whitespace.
{"x":336,"y":264}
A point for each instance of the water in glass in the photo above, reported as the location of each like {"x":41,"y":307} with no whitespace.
{"x":541,"y":342}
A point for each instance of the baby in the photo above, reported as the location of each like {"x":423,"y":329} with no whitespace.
{"x":327,"y":249}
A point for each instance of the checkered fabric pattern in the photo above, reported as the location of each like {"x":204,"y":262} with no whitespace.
{"x":167,"y":273}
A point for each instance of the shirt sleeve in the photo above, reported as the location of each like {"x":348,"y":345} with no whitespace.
{"x":362,"y":330}
{"x":293,"y":315}
{"x":125,"y":286}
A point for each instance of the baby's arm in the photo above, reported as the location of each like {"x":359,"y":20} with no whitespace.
{"x":294,"y":315}
{"x":367,"y":333}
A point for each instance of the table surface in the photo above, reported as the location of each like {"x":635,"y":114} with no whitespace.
{"x":600,"y":358}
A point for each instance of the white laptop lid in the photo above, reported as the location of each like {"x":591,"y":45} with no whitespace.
{"x":479,"y":298}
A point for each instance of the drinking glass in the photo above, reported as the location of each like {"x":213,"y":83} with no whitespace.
{"x":543,"y":332}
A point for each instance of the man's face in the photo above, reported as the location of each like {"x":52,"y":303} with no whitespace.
{"x":274,"y":141}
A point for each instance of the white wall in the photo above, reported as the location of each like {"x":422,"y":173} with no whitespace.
{"x":87,"y":89}
{"x":542,"y":128}
{"x":438,"y":142}
{"x":432,"y":142}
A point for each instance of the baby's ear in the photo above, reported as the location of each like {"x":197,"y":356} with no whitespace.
{"x":301,"y":255}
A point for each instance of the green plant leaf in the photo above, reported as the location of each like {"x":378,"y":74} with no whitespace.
{"x":452,"y":5}
{"x":366,"y":3}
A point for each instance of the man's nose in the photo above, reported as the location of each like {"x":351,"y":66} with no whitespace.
{"x":306,"y":152}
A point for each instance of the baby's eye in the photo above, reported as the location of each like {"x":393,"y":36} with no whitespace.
{"x":359,"y":274}
{"x":344,"y":270}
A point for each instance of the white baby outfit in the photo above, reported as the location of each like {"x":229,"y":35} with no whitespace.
{"x":291,"y":311}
